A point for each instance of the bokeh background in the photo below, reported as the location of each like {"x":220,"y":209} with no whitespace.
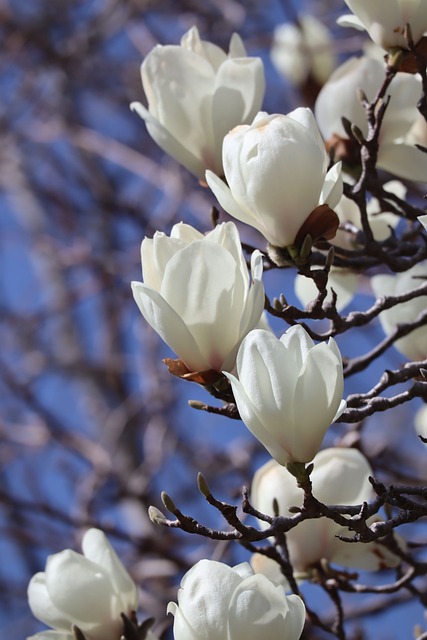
{"x":92,"y":425}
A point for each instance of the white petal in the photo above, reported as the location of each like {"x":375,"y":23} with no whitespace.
{"x":204,"y":598}
{"x":181,"y":628}
{"x":260,"y":609}
{"x":318,"y":395}
{"x":349,"y":20}
{"x":252,"y":420}
{"x":205,"y":287}
{"x":269,"y":568}
{"x":238,"y":95}
{"x":332,"y":187}
{"x":168,"y":324}
{"x":405,"y":161}
{"x":168,"y":143}
{"x":298,"y":343}
{"x":91,"y":601}
{"x":369,"y":557}
{"x":42,"y":606}
{"x":96,"y":547}
{"x":236,"y":48}
{"x":228,"y":203}
{"x":305,"y":116}
{"x":340,"y":476}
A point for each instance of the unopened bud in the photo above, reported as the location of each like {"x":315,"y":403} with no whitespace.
{"x":306,"y":247}
{"x":357,"y":134}
{"x":168,"y":502}
{"x":361,"y":96}
{"x":394,"y":58}
{"x":203,"y":485}
{"x":156,"y":516}
{"x":330,"y":257}
{"x":196,"y":404}
{"x":277,"y":305}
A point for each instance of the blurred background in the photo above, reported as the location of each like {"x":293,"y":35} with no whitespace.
{"x":92,"y":425}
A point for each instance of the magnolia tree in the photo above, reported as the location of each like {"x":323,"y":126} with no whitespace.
{"x":322,"y":188}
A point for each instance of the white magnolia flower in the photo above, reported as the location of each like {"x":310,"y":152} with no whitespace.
{"x":413,"y":345}
{"x":89,"y":591}
{"x":197,"y":293}
{"x":196,"y":93}
{"x":338,"y":98}
{"x":299,"y":51}
{"x":217,"y":602}
{"x":288,"y":391}
{"x":340,"y":476}
{"x":385,"y":20}
{"x":276,"y":171}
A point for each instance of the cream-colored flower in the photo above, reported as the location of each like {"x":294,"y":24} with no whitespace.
{"x":340,"y":476}
{"x":385,"y":20}
{"x":89,"y":591}
{"x":217,"y":602}
{"x":197,"y":293}
{"x":413,"y":345}
{"x":276,"y":172}
{"x":305,"y":49}
{"x":196,"y":93}
{"x":288,"y":391}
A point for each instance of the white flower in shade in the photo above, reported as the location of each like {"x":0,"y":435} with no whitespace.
{"x":196,"y":93}
{"x":276,"y":171}
{"x":338,"y":98}
{"x":413,"y":345}
{"x":302,"y":50}
{"x":385,"y":20}
{"x":197,"y":294}
{"x":288,"y":391}
{"x":340,"y":476}
{"x":217,"y":602}
{"x":89,"y":591}
{"x":381,"y":222}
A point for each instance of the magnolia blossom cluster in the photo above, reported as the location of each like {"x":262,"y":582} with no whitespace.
{"x":273,"y":173}
{"x":340,"y":476}
{"x":87,"y":595}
